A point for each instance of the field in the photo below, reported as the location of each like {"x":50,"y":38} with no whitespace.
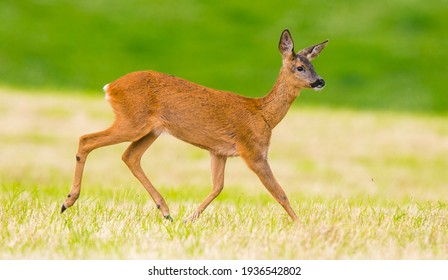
{"x":382,"y":54}
{"x":366,"y":185}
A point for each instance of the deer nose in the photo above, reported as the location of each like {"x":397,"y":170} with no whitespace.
{"x":319,"y":83}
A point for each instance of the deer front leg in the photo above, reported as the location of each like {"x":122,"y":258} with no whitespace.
{"x":218,"y":164}
{"x":260,"y":166}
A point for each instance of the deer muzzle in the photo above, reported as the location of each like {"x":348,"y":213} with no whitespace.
{"x":318,"y":84}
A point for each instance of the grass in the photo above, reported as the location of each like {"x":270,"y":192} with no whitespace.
{"x":382,"y":54}
{"x":366,"y":185}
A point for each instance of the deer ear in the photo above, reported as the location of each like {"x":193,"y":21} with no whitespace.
{"x":286,"y":44}
{"x":312,"y":52}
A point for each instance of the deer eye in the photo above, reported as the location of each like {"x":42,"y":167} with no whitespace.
{"x":300,"y":68}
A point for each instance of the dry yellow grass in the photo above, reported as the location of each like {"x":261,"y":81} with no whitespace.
{"x":365,"y":184}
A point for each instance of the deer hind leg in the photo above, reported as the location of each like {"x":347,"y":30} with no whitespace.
{"x":260,"y":166}
{"x":90,"y":142}
{"x":217,"y":169}
{"x":132,"y":157}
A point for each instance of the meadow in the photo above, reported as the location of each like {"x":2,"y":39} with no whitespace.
{"x":382,"y":54}
{"x":366,"y":185}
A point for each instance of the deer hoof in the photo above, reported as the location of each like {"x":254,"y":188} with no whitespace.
{"x":63,"y":208}
{"x":168,"y":217}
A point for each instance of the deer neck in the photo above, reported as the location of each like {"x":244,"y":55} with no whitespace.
{"x":277,"y":102}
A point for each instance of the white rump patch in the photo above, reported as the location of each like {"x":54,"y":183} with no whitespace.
{"x":105,"y":91}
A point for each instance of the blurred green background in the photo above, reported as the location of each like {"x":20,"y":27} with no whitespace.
{"x":384,"y":54}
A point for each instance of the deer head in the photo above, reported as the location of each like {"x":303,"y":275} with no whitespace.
{"x":298,"y":65}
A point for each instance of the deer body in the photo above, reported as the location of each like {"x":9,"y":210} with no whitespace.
{"x":173,"y":105}
{"x":148,"y":103}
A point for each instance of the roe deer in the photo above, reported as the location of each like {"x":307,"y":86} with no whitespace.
{"x":148,"y":103}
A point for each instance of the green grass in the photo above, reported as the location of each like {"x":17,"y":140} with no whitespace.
{"x":366,"y":185}
{"x":383,"y":54}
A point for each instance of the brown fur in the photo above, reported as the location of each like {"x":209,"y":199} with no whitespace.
{"x":148,"y":103}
